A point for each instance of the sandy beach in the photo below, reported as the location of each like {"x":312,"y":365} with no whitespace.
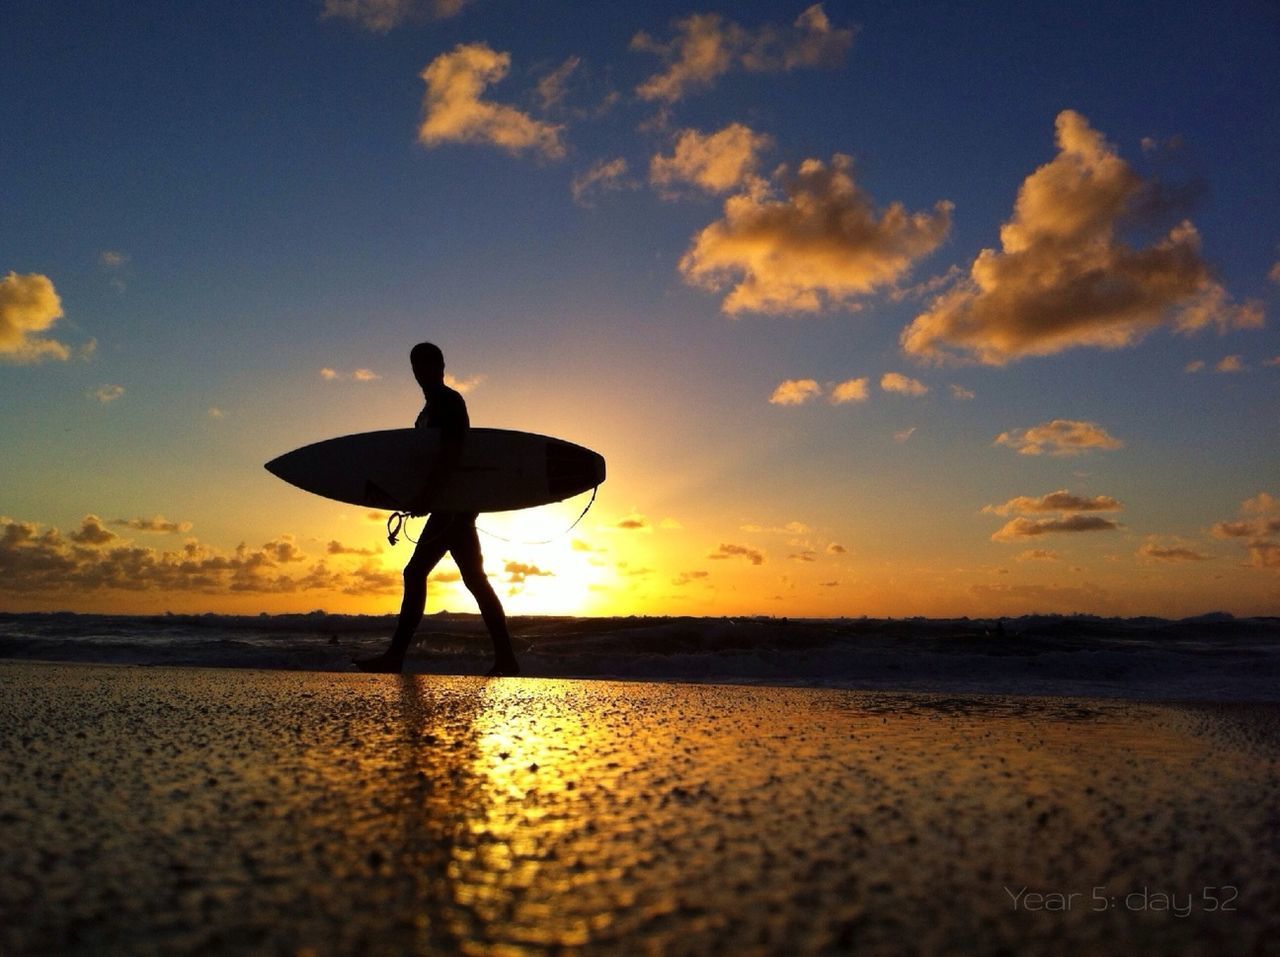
{"x":183,"y":810}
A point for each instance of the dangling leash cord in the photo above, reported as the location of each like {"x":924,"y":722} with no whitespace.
{"x":400,"y":519}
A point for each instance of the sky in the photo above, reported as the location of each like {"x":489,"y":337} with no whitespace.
{"x":884,"y":309}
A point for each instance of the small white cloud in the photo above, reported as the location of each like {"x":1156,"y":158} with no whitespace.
{"x":382,"y":16}
{"x":904,"y":435}
{"x":795,"y":392}
{"x":107,"y":393}
{"x":1194,"y":366}
{"x":606,"y":176}
{"x":850,"y":390}
{"x":1178,"y":552}
{"x":553,"y":87}
{"x":1230,"y":364}
{"x":1059,"y":437}
{"x":961,"y":394}
{"x":359,"y":375}
{"x":901,"y":384}
{"x":469,"y":384}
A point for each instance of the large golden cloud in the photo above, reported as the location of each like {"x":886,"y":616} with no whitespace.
{"x":455,"y":112}
{"x":29,"y":306}
{"x":820,"y":243}
{"x":1064,"y":278}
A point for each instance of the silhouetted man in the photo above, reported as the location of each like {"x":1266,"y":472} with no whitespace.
{"x":452,"y":532}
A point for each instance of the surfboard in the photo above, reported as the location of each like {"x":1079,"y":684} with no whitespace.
{"x":500,"y":470}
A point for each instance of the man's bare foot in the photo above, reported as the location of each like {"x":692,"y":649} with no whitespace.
{"x":504,"y":669}
{"x":381,"y":665}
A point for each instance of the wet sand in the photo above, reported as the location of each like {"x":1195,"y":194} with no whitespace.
{"x":179,"y":810}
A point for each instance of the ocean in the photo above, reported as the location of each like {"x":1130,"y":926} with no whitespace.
{"x":1210,"y":658}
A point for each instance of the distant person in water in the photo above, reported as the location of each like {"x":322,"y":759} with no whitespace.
{"x":452,"y":532}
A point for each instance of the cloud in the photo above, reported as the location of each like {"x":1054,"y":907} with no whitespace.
{"x":1030,"y":528}
{"x":1064,"y":279}
{"x":795,"y":392}
{"x":803,"y":556}
{"x":1274,"y":274}
{"x":157,"y":523}
{"x":464,"y":386}
{"x":93,"y":559}
{"x":216,"y":413}
{"x":1059,"y":501}
{"x":634,"y":523}
{"x":850,"y":390}
{"x":107,"y":393}
{"x":382,"y":16}
{"x":961,"y":394}
{"x":336,"y":547}
{"x":818,"y":242}
{"x":518,"y":572}
{"x":1152,"y":550}
{"x":359,"y":375}
{"x":1260,"y":521}
{"x":706,"y":46}
{"x":606,"y":176}
{"x":553,"y":86}
{"x":791,"y":528}
{"x":113,"y":259}
{"x":904,"y":435}
{"x":1070,"y":518}
{"x":92,"y":532}
{"x":752,"y":555}
{"x":835,"y":548}
{"x":1230,"y":364}
{"x":454,"y":112}
{"x":685,"y":578}
{"x":715,"y":162}
{"x":1038,"y":555}
{"x":29,"y":306}
{"x":1274,"y":361}
{"x":902,"y":385}
{"x":1195,"y":365}
{"x":1059,"y":437}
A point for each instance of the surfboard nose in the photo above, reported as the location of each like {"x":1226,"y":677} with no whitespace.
{"x":572,"y":469}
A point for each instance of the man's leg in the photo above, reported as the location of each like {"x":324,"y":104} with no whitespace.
{"x":432,"y":545}
{"x":465,"y":548}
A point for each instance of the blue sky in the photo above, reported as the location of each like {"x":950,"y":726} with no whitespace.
{"x":230,"y":198}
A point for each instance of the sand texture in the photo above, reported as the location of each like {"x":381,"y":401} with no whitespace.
{"x":179,"y":810}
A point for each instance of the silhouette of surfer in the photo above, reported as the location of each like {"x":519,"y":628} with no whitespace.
{"x":452,"y":532}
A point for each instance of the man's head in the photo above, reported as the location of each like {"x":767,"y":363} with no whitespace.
{"x":428,"y":364}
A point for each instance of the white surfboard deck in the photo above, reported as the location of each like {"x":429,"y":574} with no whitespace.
{"x":500,"y":470}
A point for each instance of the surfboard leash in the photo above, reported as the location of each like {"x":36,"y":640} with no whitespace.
{"x":548,"y":541}
{"x":397,"y":522}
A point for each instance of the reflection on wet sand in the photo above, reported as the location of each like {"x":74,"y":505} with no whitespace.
{"x":181,"y":810}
